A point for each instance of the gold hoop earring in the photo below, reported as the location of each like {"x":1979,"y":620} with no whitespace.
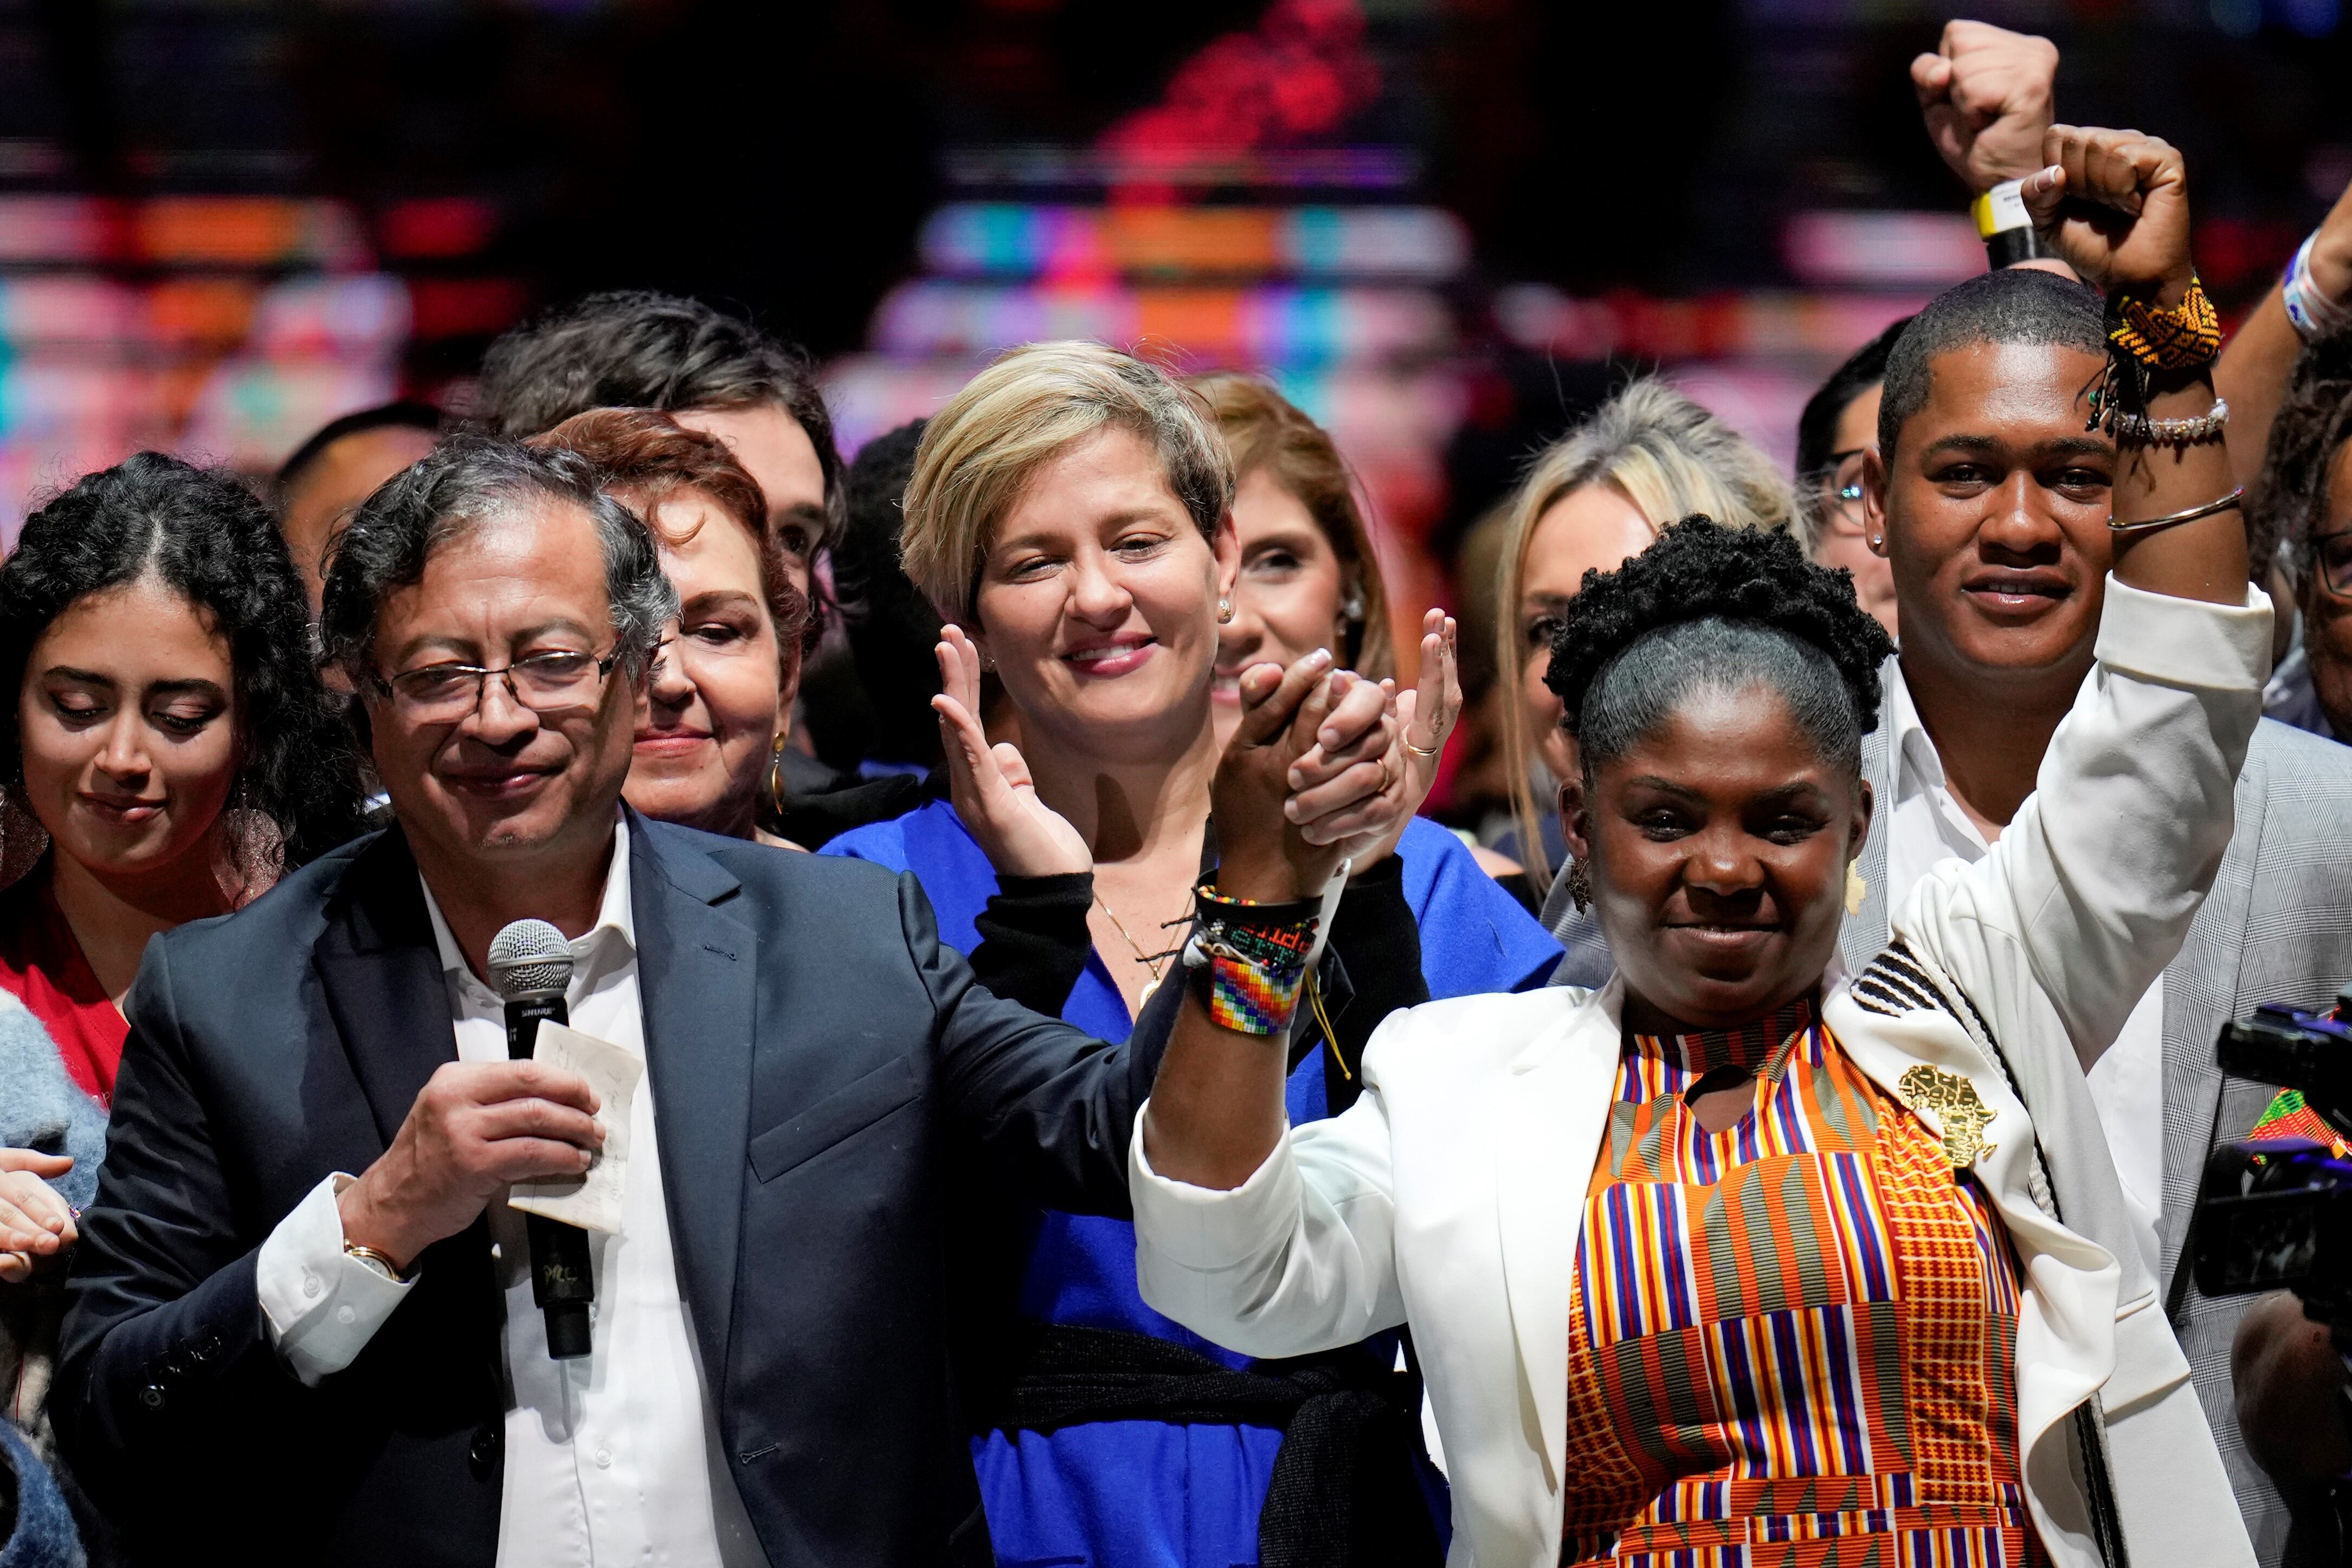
{"x":1857,"y":888}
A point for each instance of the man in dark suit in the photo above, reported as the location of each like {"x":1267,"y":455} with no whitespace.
{"x":300,"y":1325}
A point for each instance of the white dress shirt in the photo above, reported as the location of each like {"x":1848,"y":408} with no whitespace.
{"x":1925,"y":826}
{"x":611,"y":1459}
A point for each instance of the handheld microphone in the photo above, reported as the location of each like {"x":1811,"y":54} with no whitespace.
{"x":531,"y":964}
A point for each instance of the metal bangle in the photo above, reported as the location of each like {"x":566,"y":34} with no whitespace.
{"x":2150,"y":525}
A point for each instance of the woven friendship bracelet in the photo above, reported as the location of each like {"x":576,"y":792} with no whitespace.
{"x":2186,"y":337}
{"x":1252,"y":960}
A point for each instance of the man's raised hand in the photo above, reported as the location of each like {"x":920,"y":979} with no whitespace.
{"x":1987,"y":96}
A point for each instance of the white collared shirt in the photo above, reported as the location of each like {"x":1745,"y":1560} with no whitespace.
{"x":1925,"y":826}
{"x":611,"y":1459}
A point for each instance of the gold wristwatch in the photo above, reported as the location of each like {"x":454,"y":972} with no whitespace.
{"x":377,"y":1263}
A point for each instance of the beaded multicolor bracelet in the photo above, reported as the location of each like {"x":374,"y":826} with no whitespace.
{"x":1250,"y":959}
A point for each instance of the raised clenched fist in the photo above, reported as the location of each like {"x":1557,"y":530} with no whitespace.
{"x":1986,"y":96}
{"x":2115,"y":203}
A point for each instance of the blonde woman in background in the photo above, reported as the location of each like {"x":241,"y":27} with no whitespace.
{"x":1593,"y":499}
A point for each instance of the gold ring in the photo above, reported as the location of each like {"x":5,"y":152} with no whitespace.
{"x":1424,"y":752}
{"x":1388,"y":774}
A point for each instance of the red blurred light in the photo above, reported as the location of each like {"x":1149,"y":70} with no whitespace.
{"x":437,"y":228}
{"x":466,"y":307}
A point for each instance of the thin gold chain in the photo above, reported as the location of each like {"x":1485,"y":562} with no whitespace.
{"x":1141,"y":957}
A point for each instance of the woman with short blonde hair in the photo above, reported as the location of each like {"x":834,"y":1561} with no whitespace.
{"x":979,"y":452}
{"x":1598,"y":495}
{"x":1073,"y":507}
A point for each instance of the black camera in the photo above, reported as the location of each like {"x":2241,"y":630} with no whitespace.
{"x":2278,"y":1215}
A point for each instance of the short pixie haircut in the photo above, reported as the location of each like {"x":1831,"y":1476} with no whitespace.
{"x":980,"y":453}
{"x":466,"y":480}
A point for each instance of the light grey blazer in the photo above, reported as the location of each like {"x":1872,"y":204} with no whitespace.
{"x":2277,"y":927}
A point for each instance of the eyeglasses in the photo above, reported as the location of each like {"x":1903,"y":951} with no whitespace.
{"x":2333,"y":555}
{"x":543,"y":683}
{"x":1838,"y":487}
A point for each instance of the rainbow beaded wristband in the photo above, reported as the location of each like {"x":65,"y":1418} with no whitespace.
{"x":1251,"y":959}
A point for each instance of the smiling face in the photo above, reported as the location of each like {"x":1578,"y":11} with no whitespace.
{"x":505,"y":784}
{"x":127,"y":725}
{"x":1592,"y":527}
{"x":1717,"y":847}
{"x":1098,"y":602}
{"x":774,"y":450}
{"x":1993,"y":508}
{"x":1287,"y":601}
{"x":708,"y":717}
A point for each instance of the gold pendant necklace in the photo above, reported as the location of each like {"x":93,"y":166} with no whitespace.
{"x":1157,"y":970}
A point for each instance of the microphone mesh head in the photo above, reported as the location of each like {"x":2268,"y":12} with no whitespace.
{"x":527,"y":957}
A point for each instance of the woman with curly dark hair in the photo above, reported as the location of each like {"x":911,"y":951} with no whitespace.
{"x":2302,"y":500}
{"x":168,"y":751}
{"x":1740,"y":1258}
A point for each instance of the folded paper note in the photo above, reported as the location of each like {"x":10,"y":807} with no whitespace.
{"x":592,"y":1202}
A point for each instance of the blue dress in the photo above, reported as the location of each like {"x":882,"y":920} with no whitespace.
{"x":1155,"y":1494}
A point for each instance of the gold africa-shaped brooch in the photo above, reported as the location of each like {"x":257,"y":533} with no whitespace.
{"x":1961,"y":1115}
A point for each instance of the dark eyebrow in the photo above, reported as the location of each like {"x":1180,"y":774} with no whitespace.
{"x":195,"y":686}
{"x":714,"y":596}
{"x":2041,"y":451}
{"x":1788,"y":791}
{"x":1667,"y":787}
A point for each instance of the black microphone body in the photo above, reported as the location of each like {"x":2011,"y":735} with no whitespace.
{"x":562,"y":1281}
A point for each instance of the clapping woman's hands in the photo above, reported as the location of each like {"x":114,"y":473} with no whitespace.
{"x":1305,"y":782}
{"x":991,"y":786}
{"x":1425,"y":717}
{"x":36,"y":1226}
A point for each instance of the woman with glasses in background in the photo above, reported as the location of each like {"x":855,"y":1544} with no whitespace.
{"x":1839,"y":430}
{"x":2303,"y":498}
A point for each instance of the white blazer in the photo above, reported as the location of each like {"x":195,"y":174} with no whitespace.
{"x":1450,"y":1195}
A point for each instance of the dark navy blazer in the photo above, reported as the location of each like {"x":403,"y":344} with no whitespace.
{"x":824,"y":1070}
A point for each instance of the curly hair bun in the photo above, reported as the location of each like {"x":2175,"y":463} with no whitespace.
{"x":1699,"y":570}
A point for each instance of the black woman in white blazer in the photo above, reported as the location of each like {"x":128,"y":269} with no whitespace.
{"x":1450,"y":1196}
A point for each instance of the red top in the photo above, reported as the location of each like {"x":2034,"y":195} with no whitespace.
{"x":42,"y":965}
